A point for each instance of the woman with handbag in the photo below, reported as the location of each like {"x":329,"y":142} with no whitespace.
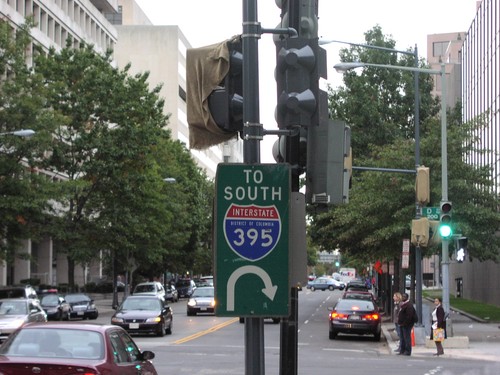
{"x":438,"y":333}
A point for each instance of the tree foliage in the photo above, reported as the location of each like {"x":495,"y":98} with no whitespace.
{"x":379,"y":106}
{"x":102,"y":135}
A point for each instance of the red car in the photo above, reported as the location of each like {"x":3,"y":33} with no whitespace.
{"x":67,"y":349}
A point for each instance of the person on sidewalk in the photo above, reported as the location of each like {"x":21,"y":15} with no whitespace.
{"x":407,"y":317}
{"x":438,"y":321}
{"x":397,"y":300}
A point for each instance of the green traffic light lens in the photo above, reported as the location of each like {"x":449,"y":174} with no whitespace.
{"x":445,"y":231}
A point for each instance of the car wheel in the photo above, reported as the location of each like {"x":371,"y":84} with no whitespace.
{"x":59,"y":315}
{"x":161,"y":330}
{"x":191,"y":313}
{"x":242,"y":320}
{"x":313,"y":289}
{"x":376,"y":336}
{"x":168,"y":331}
{"x":332,"y":335}
{"x":331,"y":288}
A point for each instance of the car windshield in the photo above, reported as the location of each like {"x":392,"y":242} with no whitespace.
{"x":144,"y":288}
{"x":183,"y":283}
{"x":50,"y":300}
{"x":148,"y":304}
{"x":73,"y":298}
{"x":13,"y":308}
{"x":55,"y":342}
{"x":351,"y":304}
{"x":203,"y":292}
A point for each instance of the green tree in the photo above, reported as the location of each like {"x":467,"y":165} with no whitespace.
{"x":103,"y":143}
{"x":24,"y":192}
{"x":377,"y":104}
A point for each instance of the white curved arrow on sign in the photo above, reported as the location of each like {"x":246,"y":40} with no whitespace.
{"x":269,"y":290}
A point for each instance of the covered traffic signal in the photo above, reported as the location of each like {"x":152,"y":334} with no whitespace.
{"x":214,"y":89}
{"x":445,"y":230}
{"x":300,"y":63}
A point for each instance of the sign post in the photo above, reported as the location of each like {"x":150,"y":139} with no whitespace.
{"x":251,"y":240}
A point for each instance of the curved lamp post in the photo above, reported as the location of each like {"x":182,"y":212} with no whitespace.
{"x":343,"y":67}
{"x":20,"y":133}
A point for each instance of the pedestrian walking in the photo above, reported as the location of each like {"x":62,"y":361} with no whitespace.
{"x":438,"y":332}
{"x":397,"y":300}
{"x":407,"y":317}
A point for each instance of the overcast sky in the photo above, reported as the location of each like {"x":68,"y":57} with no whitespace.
{"x":205,"y":22}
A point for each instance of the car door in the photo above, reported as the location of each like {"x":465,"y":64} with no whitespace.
{"x":127,"y":354}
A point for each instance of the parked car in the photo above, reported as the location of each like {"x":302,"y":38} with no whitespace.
{"x":16,"y":312}
{"x":56,"y":307}
{"x":325,"y":283}
{"x":355,"y":316}
{"x":82,"y":306}
{"x":73,"y":348}
{"x":185,"y":287}
{"x":152,"y":288}
{"x":23,"y":291}
{"x":201,"y":301}
{"x":144,"y":314}
{"x":172,"y":293}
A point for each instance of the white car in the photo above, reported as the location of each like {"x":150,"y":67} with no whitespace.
{"x":152,"y":288}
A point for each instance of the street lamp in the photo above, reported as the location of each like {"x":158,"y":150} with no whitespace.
{"x":343,"y":67}
{"x":26,"y":133}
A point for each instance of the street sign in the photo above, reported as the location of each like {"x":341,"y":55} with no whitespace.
{"x":251,"y":240}
{"x":431,"y":213}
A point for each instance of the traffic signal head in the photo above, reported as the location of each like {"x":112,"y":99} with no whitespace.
{"x":461,"y":249}
{"x":445,"y":220}
{"x":226,"y":102}
{"x":300,"y":63}
{"x":214,"y":88}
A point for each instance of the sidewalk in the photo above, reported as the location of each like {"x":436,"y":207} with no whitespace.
{"x":471,"y":338}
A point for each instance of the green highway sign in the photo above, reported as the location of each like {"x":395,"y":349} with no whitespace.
{"x":431,"y":213}
{"x":251,"y":240}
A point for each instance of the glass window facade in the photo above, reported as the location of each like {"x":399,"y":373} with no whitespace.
{"x":481,"y":83}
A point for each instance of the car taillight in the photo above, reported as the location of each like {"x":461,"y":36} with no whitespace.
{"x":335,"y":315}
{"x":372,"y":317}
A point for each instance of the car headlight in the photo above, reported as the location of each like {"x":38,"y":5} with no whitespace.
{"x":156,"y":319}
{"x":192,"y":302}
{"x":114,"y":319}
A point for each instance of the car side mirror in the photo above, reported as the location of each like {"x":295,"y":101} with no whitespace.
{"x":147,"y":355}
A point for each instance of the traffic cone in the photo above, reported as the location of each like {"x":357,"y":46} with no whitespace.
{"x":412,"y":337}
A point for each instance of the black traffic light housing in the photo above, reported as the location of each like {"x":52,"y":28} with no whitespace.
{"x":226,"y":102}
{"x":461,"y":249}
{"x":445,"y":220}
{"x":299,"y":65}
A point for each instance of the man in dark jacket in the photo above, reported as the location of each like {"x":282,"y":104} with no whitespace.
{"x":406,"y":319}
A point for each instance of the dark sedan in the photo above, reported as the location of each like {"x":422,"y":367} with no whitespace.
{"x":144,"y":314}
{"x":55,"y":307}
{"x":69,"y":348}
{"x":355,"y":316}
{"x":82,"y":306}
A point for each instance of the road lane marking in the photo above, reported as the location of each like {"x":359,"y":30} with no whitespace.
{"x":206,"y":332}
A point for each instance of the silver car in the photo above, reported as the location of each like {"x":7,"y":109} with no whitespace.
{"x":16,"y":312}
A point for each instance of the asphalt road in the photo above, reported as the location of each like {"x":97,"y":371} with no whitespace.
{"x":205,"y":345}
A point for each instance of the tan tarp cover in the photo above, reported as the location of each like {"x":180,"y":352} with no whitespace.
{"x":206,"y":67}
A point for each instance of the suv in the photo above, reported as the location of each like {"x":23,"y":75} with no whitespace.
{"x":150,"y":288}
{"x":185,"y":287}
{"x":24,"y":291}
